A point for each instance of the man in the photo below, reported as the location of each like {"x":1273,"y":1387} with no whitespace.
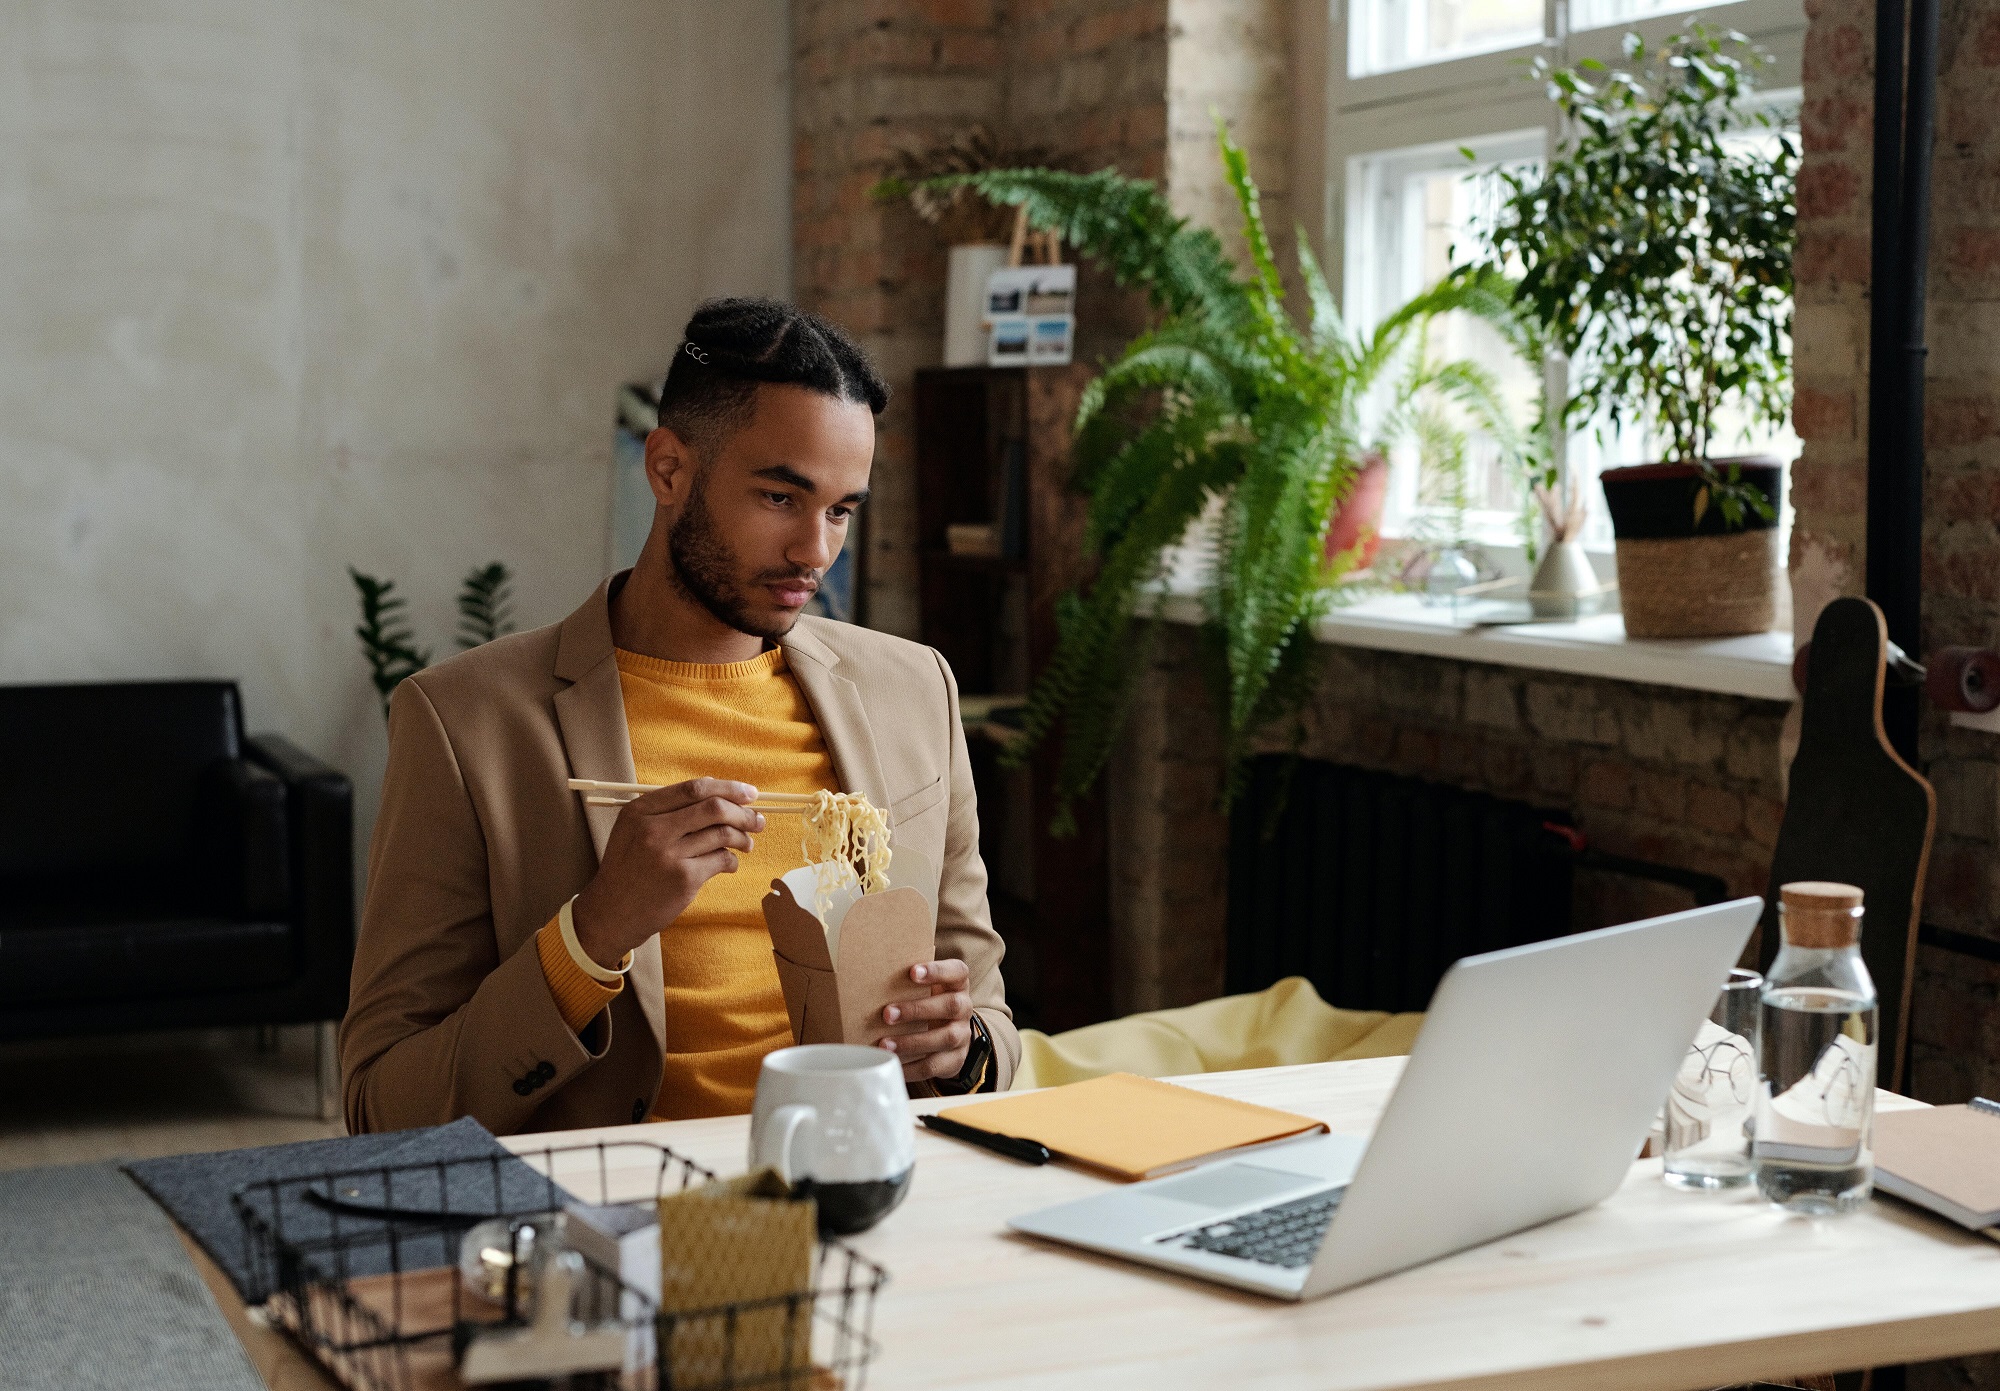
{"x":540,"y":965}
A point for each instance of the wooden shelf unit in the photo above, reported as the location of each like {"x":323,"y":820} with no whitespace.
{"x":993,"y":618}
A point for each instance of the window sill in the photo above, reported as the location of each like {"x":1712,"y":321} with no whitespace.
{"x":1758,"y":665}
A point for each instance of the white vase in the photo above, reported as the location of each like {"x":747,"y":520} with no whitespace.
{"x":1565,"y":585}
{"x":965,"y":302}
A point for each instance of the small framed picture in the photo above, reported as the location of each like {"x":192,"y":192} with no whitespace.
{"x":1031,"y":316}
{"x":1008,"y":345}
{"x":1050,"y":339}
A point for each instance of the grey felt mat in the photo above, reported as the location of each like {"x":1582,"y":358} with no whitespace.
{"x":96,"y":1291}
{"x":196,"y":1190}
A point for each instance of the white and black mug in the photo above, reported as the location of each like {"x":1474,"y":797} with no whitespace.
{"x":834,"y":1120}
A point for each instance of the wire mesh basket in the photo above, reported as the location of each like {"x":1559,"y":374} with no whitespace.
{"x":361,"y":1267}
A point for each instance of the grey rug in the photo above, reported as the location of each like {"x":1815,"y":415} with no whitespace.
{"x":96,"y":1291}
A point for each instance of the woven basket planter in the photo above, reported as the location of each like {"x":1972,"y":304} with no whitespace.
{"x":1681,"y":579}
{"x":1699,"y":586}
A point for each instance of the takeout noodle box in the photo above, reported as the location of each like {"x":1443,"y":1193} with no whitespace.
{"x":839,"y":972}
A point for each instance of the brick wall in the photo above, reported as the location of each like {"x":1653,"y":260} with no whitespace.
{"x":1088,"y":80}
{"x":1955,"y":1016}
{"x":1124,"y":84}
{"x":1676,"y":777}
{"x":1956,"y":1013}
{"x":871,"y":77}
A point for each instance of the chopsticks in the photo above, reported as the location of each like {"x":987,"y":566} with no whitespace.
{"x":617,"y":794}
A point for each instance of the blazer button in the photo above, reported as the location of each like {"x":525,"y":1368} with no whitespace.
{"x":522,"y":1087}
{"x":546,"y":1071}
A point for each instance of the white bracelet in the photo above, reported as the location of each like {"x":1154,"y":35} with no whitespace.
{"x":582,"y":958}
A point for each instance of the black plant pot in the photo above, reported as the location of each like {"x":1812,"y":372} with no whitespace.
{"x":1679,"y":577}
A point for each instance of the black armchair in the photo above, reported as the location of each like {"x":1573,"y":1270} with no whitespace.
{"x":161,"y":870}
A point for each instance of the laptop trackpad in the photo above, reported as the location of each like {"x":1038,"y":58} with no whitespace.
{"x":1226,"y":1186}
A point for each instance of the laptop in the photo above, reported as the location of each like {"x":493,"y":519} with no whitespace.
{"x":1528,"y":1093}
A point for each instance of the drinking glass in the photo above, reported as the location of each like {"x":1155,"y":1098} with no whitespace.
{"x":1715,"y":1092}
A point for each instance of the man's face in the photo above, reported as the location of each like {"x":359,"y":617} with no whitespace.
{"x":754,"y":527}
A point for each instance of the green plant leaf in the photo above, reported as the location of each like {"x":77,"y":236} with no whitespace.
{"x":1654,"y":252}
{"x":1224,"y":409}
{"x":485,"y":605}
{"x":386,"y":640}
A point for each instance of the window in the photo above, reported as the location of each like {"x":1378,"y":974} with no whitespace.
{"x":1400,"y":33}
{"x":1411,"y":213}
{"x":1415,"y":85}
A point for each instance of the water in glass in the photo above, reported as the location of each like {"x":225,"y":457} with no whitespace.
{"x":1812,"y":1150}
{"x":1707,"y":1141}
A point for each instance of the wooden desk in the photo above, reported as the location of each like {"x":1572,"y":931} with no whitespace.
{"x":1653,"y":1290}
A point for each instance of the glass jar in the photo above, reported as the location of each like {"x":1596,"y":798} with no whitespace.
{"x":1813,"y":1146}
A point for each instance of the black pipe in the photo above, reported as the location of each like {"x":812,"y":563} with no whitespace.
{"x":1904,"y":133}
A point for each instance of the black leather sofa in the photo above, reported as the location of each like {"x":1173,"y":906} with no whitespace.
{"x":161,"y":870}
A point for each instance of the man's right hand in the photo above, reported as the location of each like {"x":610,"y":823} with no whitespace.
{"x":665,"y":846}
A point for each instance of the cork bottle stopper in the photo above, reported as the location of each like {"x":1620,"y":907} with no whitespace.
{"x":1821,"y":915}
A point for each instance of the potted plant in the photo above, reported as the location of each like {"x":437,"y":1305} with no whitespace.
{"x":485,"y":612}
{"x":1655,"y":250}
{"x":975,"y":230}
{"x":1226,"y":400}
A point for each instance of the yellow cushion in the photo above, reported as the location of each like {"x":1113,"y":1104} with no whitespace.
{"x":1285,"y":1024}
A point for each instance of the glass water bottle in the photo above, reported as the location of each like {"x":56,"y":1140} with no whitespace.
{"x":1815,"y":1123}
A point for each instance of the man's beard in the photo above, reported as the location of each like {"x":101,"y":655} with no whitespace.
{"x":705,"y":569}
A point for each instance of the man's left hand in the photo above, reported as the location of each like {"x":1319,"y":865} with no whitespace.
{"x":938,"y":1050}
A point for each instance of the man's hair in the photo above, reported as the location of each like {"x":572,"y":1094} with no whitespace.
{"x":732,"y":346}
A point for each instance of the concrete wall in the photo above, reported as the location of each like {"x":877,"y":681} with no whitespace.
{"x":289,"y":287}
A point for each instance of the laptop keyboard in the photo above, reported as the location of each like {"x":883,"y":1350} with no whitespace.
{"x":1287,"y":1234}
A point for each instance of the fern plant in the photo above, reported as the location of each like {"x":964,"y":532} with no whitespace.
{"x":485,"y":605}
{"x":1226,"y":398}
{"x":386,"y":639}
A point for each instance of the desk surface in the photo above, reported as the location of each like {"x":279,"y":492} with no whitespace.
{"x":1654,"y":1288}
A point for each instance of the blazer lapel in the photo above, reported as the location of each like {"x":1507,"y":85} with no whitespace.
{"x":591,"y":715}
{"x":590,"y":712}
{"x":843,"y":719}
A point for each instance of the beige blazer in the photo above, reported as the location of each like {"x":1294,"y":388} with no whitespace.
{"x":478,"y":843}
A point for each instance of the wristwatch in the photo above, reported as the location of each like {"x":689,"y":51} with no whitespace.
{"x":977,"y":1074}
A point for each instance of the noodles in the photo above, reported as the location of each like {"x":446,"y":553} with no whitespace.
{"x":846,"y":830}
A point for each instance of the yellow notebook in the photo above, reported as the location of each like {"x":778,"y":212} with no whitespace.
{"x":1133,"y":1127}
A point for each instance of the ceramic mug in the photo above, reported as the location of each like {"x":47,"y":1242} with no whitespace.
{"x":834,"y":1120}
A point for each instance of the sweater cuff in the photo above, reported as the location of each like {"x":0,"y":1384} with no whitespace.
{"x":577,"y":996}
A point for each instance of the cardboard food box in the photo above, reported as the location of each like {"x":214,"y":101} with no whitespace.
{"x":838,"y":971}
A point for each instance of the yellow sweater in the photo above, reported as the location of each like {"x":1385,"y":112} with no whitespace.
{"x":725,"y":1011}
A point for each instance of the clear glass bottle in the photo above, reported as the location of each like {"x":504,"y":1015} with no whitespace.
{"x":1815,"y":1124}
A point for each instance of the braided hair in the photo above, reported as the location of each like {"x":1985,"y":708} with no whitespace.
{"x":731,"y":346}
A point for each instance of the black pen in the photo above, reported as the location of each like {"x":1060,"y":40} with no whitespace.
{"x":1027,"y":1151}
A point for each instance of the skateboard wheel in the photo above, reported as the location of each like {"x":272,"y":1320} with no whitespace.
{"x":1964,"y":678}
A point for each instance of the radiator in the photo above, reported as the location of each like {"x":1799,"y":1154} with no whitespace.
{"x":1370,"y":885}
